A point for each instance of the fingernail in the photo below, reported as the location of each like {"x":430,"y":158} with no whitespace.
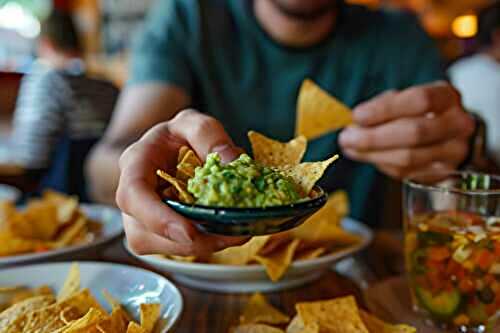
{"x":227,"y":152}
{"x":178,"y":234}
{"x":348,"y":137}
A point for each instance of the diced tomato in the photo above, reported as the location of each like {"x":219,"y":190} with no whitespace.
{"x":489,"y":279}
{"x":438,"y":253}
{"x":436,"y":281}
{"x":491,"y":309}
{"x":497,"y":248}
{"x":453,"y":268}
{"x":484,"y":259}
{"x":466,"y":285}
{"x":437,"y":266}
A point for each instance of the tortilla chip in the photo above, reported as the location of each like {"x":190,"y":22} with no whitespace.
{"x":318,"y":112}
{"x":66,"y":206}
{"x":72,"y":284}
{"x":180,"y":186}
{"x":376,"y":325}
{"x":182,"y":259}
{"x":150,"y":313}
{"x":187,"y":166}
{"x":305,"y":175}
{"x":256,"y":328}
{"x":12,"y":245}
{"x":324,"y":228}
{"x":240,"y":255}
{"x":42,"y":219}
{"x":340,"y":315}
{"x":7,"y":209}
{"x":297,"y":326}
{"x":43,"y":320}
{"x":273,"y":153}
{"x":338,"y":203}
{"x":9,"y":289}
{"x":20,"y":227}
{"x":114,"y":323}
{"x":182,"y":152}
{"x":85,"y":323}
{"x":258,"y":310}
{"x":71,"y":232}
{"x":135,"y":328}
{"x":8,"y":316}
{"x":311,"y":253}
{"x":83,"y":301}
{"x":26,"y":293}
{"x":278,"y":262}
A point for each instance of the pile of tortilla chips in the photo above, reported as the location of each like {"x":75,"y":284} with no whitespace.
{"x":72,"y":310}
{"x":51,"y":222}
{"x":339,"y":315}
{"x":284,"y":157}
{"x":321,"y":234}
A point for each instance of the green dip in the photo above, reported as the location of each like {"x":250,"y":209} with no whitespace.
{"x":240,"y":183}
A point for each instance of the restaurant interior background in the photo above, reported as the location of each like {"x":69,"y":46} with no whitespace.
{"x":107,"y":28}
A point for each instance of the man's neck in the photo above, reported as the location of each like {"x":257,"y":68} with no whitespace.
{"x":291,"y":31}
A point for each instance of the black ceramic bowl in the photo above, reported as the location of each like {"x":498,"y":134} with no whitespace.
{"x":250,"y":221}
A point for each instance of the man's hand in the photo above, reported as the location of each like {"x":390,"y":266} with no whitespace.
{"x":418,"y":129}
{"x":150,"y":225}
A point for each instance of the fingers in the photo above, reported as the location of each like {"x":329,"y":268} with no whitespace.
{"x":416,"y":101}
{"x":137,"y":198}
{"x":204,"y":134}
{"x":435,"y":169}
{"x":409,"y":132}
{"x":452,"y":152}
{"x":141,"y":241}
{"x":136,"y":194}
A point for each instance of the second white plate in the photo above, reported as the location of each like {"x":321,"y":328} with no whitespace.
{"x":253,"y":278}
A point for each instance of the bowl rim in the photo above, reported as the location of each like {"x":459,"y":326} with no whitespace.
{"x":313,"y":202}
{"x":415,"y":184}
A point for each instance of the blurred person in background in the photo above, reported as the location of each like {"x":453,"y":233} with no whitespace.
{"x":56,"y":99}
{"x":238,"y":66}
{"x":478,"y":77}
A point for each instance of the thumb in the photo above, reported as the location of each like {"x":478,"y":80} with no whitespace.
{"x":228,"y":152}
{"x":204,"y":134}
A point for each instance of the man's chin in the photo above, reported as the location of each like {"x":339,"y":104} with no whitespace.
{"x":305,"y":9}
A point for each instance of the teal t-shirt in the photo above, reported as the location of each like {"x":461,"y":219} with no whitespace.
{"x":234,"y":71}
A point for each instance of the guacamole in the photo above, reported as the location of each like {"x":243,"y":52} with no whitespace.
{"x":240,"y":183}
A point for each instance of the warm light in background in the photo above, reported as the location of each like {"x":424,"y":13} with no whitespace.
{"x":14,"y":17}
{"x":465,"y":26}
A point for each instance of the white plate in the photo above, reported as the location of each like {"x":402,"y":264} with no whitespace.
{"x":111,"y":221}
{"x":253,"y":278}
{"x":9,"y":193}
{"x":131,"y":286}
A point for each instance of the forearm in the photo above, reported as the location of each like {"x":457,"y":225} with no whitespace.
{"x":103,"y":173}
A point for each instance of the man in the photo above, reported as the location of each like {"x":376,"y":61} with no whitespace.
{"x":56,"y":99}
{"x":478,"y":77}
{"x":241,"y":64}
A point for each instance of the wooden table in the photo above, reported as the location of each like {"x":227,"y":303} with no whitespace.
{"x":206,"y":312}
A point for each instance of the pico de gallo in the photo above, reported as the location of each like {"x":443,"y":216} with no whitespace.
{"x":453,"y":261}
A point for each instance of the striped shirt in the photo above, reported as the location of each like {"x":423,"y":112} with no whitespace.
{"x":53,"y":104}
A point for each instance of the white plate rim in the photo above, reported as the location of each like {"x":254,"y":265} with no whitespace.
{"x":363,"y":231}
{"x":84,"y":263}
{"x":33,"y":257}
{"x":12,"y":191}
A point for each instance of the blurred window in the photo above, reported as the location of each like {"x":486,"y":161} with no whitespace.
{"x":19,"y":28}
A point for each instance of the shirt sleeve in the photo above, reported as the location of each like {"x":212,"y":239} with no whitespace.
{"x":39,"y":119}
{"x":159,"y":52}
